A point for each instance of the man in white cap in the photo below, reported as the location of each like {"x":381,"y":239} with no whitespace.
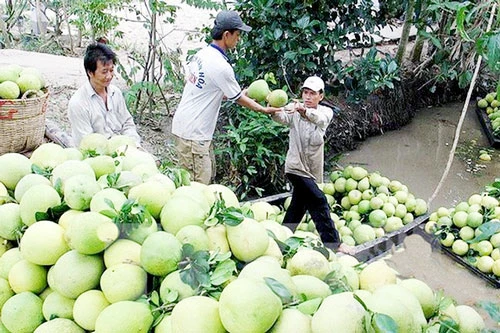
{"x":210,"y":79}
{"x":308,"y":121}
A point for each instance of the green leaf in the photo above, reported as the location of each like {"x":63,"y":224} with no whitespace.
{"x":493,"y":55}
{"x":279,"y":289}
{"x":223,"y":272}
{"x":493,"y":309}
{"x":487,"y":230}
{"x":384,"y":323}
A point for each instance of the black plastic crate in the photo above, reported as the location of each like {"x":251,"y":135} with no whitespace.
{"x":486,"y":125}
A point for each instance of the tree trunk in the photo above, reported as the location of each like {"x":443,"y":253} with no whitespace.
{"x":416,"y":52}
{"x":403,"y":42}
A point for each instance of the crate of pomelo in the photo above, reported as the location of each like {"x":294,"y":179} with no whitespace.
{"x":101,"y":239}
{"x":371,"y":212}
{"x":470,"y":233}
{"x":23,"y":103}
{"x":488,"y":113}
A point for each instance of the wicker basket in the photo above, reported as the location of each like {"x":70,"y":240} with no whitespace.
{"x":22,"y":123}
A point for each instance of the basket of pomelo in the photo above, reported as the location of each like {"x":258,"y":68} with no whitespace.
{"x":23,"y":102}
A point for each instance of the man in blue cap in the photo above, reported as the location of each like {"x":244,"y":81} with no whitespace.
{"x":210,"y":80}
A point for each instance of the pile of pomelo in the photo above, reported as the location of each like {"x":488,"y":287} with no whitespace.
{"x":471,"y":229}
{"x":367,"y":206}
{"x":490,"y":104}
{"x":16,"y":80}
{"x":100,"y":239}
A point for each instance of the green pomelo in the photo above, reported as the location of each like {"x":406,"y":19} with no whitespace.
{"x":180,"y":211}
{"x":95,"y":143}
{"x":268,"y":267}
{"x":11,"y":223}
{"x":91,"y":233}
{"x":207,"y":317}
{"x":173,"y":283}
{"x":6,"y":292}
{"x":8,"y":73}
{"x":38,"y":198}
{"x":57,"y":305}
{"x":247,"y":240}
{"x":48,"y":155}
{"x":420,"y":207}
{"x":258,"y":90}
{"x":377,"y":217}
{"x":375,"y":275}
{"x":70,"y":168}
{"x":30,"y":70}
{"x":395,"y":309}
{"x":474,"y":219}
{"x":122,"y":251}
{"x":311,"y":287}
{"x":43,"y":243}
{"x":482,"y":103}
{"x":165,"y":325}
{"x":310,"y":262}
{"x":68,"y":217}
{"x":13,"y":167}
{"x":194,"y":235}
{"x":363,"y":233}
{"x":138,"y":233}
{"x":100,"y":200}
{"x":27,"y":182}
{"x":248,"y":305}
{"x":75,"y":273}
{"x":339,"y":313}
{"x":73,"y":153}
{"x":217,"y":191}
{"x":8,"y":259}
{"x":217,"y":237}
{"x":145,"y":170}
{"x":118,"y":141}
{"x":60,"y":325}
{"x":279,"y":231}
{"x":292,"y":320}
{"x":153,"y":195}
{"x":423,"y":293}
{"x":26,"y":276}
{"x":22,"y":312}
{"x":160,"y":253}
{"x":273,"y":250}
{"x":101,"y":165}
{"x":262,"y":211}
{"x":393,"y":223}
{"x":87,"y":308}
{"x":9,"y":90}
{"x":277,"y":98}
{"x":123,"y":282}
{"x":135,"y":157}
{"x":358,"y":173}
{"x":469,"y":320}
{"x":79,"y":190}
{"x":124,"y":316}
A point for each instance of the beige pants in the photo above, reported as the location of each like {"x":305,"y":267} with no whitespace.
{"x":197,"y":157}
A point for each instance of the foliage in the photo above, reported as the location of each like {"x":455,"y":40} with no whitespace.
{"x":369,"y":74}
{"x":295,"y":39}
{"x":253,"y":148}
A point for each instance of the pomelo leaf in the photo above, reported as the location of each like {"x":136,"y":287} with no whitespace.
{"x":384,"y":323}
{"x":279,"y":289}
{"x":487,"y":230}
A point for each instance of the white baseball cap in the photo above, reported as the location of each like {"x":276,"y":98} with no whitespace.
{"x":314,"y":83}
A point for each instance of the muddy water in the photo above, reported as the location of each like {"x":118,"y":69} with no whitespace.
{"x":417,"y":155}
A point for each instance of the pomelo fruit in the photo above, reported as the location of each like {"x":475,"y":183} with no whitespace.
{"x":124,"y":316}
{"x":160,"y":253}
{"x":123,"y":282}
{"x":38,"y":198}
{"x":6,"y":292}
{"x":8,"y":73}
{"x":43,"y":243}
{"x":56,"y":305}
{"x":153,"y":195}
{"x":73,"y":153}
{"x":70,"y":168}
{"x":180,"y":211}
{"x":101,"y":200}
{"x":375,"y":275}
{"x":339,"y":313}
{"x":87,"y":307}
{"x":363,"y":233}
{"x":217,"y":191}
{"x":217,"y":238}
{"x":59,"y":325}
{"x":118,"y":141}
{"x":258,"y":90}
{"x":248,"y":305}
{"x":207,"y":317}
{"x":310,"y":286}
{"x":79,"y":190}
{"x":9,"y":90}
{"x":469,"y":320}
{"x":247,"y":240}
{"x":138,"y":233}
{"x":194,"y":235}
{"x":292,"y":320}
{"x":277,"y":98}
{"x":101,"y":165}
{"x":122,"y":251}
{"x":11,"y":225}
{"x":423,"y":293}
{"x":75,"y":273}
{"x":28,"y":181}
{"x":8,"y":259}
{"x":22,"y":312}
{"x":308,"y":261}
{"x":173,"y":283}
{"x":94,"y":144}
{"x":48,"y":155}
{"x":13,"y":167}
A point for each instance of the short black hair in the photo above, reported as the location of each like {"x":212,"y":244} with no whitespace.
{"x":218,"y":32}
{"x":97,"y":52}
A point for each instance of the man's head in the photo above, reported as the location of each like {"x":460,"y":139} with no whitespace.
{"x":312,"y":91}
{"x":95,"y":53}
{"x":227,"y":27}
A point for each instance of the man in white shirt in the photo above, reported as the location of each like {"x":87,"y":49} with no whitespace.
{"x":98,"y":106}
{"x":210,"y":79}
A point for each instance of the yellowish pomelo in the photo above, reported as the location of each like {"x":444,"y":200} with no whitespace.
{"x":277,"y":98}
{"x":26,"y":276}
{"x":122,"y":251}
{"x":180,"y":211}
{"x":262,"y":211}
{"x":258,"y":90}
{"x":123,"y":282}
{"x":120,"y":140}
{"x":38,"y":198}
{"x":216,"y":191}
{"x":207,"y":317}
{"x":8,"y":259}
{"x":138,"y":233}
{"x":70,"y":168}
{"x":124,"y":316}
{"x":310,"y":262}
{"x":11,"y":225}
{"x":292,"y":320}
{"x":153,"y":195}
{"x":101,"y":165}
{"x":79,"y":190}
{"x":59,"y":325}
{"x":100,"y":200}
{"x":339,"y":313}
{"x":469,"y":319}
{"x":73,"y":153}
{"x":375,"y":275}
{"x":48,"y":155}
{"x":423,"y":293}
{"x":22,"y":312}
{"x":217,"y":238}
{"x":94,"y":144}
{"x":6,"y":292}
{"x":311,"y":286}
{"x":28,"y":181}
{"x":13,"y":167}
{"x":56,"y":305}
{"x":43,"y":243}
{"x":194,"y":235}
{"x":247,"y":240}
{"x":87,"y":308}
{"x":173,"y":283}
{"x":160,"y":253}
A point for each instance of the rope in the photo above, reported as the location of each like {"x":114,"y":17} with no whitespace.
{"x":462,"y":116}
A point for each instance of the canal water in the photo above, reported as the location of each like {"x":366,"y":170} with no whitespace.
{"x":417,"y":155}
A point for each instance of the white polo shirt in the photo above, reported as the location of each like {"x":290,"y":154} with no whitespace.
{"x":87,"y":114}
{"x":210,"y":77}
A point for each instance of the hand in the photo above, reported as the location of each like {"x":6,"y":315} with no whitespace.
{"x":271,"y":110}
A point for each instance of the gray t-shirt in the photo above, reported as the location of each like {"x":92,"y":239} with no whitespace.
{"x":87,"y":114}
{"x":210,"y":78}
{"x":305,"y":156}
